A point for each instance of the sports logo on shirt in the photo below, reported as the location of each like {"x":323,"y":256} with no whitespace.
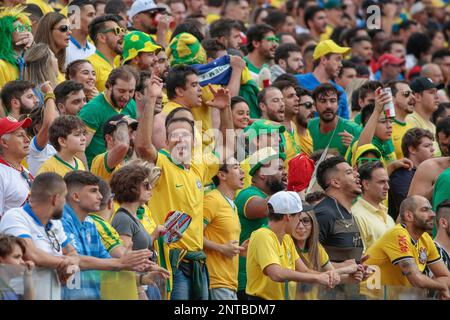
{"x":199,"y":184}
{"x":423,"y":255}
{"x":403,"y":243}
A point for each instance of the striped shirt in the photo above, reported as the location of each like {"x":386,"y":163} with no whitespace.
{"x":109,"y":236}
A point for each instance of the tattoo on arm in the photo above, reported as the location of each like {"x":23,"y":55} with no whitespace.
{"x":405,"y":266}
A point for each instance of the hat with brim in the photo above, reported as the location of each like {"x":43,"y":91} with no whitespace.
{"x":9,"y":124}
{"x":260,"y":127}
{"x":387,"y":58}
{"x":288,"y":202}
{"x":262,"y":157}
{"x":109,"y":128}
{"x":364,"y":149}
{"x":422,"y":83}
{"x":136,"y":42}
{"x":328,"y":46}
{"x":140,"y":6}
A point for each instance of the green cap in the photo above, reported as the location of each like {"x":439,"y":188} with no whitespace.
{"x":333,"y":4}
{"x":260,"y":127}
{"x":135,"y":42}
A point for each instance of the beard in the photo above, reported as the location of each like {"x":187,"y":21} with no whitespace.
{"x":24,"y":109}
{"x":328,"y":118}
{"x":421,"y":224}
{"x":275,"y":186}
{"x":302,"y":121}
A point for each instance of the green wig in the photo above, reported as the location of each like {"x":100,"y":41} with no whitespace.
{"x":7,"y":18}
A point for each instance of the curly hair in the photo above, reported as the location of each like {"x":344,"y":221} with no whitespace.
{"x":125,"y":182}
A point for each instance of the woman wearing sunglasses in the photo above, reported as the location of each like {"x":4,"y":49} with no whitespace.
{"x":132,"y":189}
{"x":312,"y":253}
{"x":54,"y":30}
{"x":83,"y":72}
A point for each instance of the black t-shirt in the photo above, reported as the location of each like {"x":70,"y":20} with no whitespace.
{"x":399,"y":182}
{"x":339,"y":232}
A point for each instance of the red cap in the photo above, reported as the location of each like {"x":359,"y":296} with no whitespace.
{"x":9,"y":124}
{"x":301,"y":169}
{"x":389,"y":59}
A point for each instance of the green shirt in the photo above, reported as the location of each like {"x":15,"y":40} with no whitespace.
{"x":321,"y":140}
{"x":94,"y":115}
{"x":441,"y":190}
{"x":247,"y":226}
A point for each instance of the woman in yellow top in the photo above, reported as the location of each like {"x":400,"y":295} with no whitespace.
{"x":312,"y":253}
{"x":54,"y":30}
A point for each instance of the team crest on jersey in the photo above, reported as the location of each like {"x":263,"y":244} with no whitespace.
{"x":199,"y":185}
{"x":422,"y":255}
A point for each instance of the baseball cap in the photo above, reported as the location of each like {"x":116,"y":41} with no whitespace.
{"x":288,"y":202}
{"x":328,"y":46}
{"x":109,"y":128}
{"x":139,"y":6}
{"x":388,"y":58}
{"x":260,"y":127}
{"x":416,"y":8}
{"x":9,"y":124}
{"x":262,"y":156}
{"x":421,"y":83}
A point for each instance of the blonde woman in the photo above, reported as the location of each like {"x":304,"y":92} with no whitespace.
{"x":312,"y":253}
{"x":41,"y":66}
{"x":54,"y":30}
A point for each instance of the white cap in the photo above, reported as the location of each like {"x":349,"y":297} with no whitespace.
{"x":139,"y":6}
{"x":287,"y":202}
{"x":416,"y":8}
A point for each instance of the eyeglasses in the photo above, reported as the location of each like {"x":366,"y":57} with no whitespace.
{"x":272,"y":39}
{"x":117,"y":31}
{"x":22,"y":28}
{"x":27,"y":177}
{"x":307,"y":105}
{"x":53,"y":240}
{"x":63,"y":29}
{"x":306,"y":221}
{"x":406,"y":94}
{"x":147,"y":185}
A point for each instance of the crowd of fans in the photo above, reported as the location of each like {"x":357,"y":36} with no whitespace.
{"x":305,"y":144}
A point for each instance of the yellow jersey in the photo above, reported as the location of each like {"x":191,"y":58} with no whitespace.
{"x":99,"y":167}
{"x":8,"y":72}
{"x":102,"y":68}
{"x":416,"y":120}
{"x":181,"y":189}
{"x":398,"y":131}
{"x":292,"y":148}
{"x":263,"y":250}
{"x":305,"y":142}
{"x":222,"y":225}
{"x":59,"y":166}
{"x":397,"y":245}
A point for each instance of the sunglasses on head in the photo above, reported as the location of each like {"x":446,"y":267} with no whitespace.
{"x":272,"y":39}
{"x":117,"y":31}
{"x":63,"y":28}
{"x":27,"y":177}
{"x":307,"y":105}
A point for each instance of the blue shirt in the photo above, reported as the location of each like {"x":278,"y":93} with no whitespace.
{"x":85,"y":238}
{"x":309,"y":82}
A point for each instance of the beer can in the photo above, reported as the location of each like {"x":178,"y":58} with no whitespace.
{"x":389,"y":109}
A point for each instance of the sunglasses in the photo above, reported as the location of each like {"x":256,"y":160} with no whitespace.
{"x":362,"y":161}
{"x":117,"y":31}
{"x":22,"y":28}
{"x":63,"y":29}
{"x":307,"y":105}
{"x":406,"y":94}
{"x":272,"y":39}
{"x":147,"y":186}
{"x":53,"y":240}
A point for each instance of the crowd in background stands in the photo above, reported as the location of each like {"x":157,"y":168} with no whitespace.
{"x":307,"y":140}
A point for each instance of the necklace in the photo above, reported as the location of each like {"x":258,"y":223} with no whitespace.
{"x":346,"y":224}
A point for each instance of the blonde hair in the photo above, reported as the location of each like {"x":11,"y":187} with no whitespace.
{"x":44,"y":34}
{"x":38,"y":64}
{"x":155,"y":172}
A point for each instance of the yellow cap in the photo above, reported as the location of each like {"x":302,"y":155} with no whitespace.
{"x":437,"y":4}
{"x":328,"y":46}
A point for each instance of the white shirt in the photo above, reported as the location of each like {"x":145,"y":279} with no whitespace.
{"x":22,"y":223}
{"x":38,"y":156}
{"x":14,"y":189}
{"x":75,"y":52}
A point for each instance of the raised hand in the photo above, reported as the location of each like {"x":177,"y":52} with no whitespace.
{"x":381,"y":98}
{"x":25,"y":39}
{"x":221,"y":98}
{"x":346,"y":138}
{"x":46,"y":87}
